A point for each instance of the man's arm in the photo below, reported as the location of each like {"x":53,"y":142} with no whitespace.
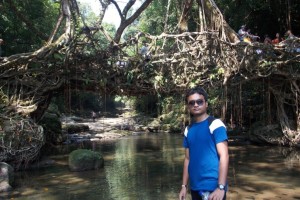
{"x":185,"y":175}
{"x":222,"y":149}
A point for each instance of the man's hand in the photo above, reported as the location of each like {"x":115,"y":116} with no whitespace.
{"x":217,"y":195}
{"x":182,"y":193}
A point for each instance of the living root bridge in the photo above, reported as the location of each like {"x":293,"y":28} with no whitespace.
{"x":177,"y":62}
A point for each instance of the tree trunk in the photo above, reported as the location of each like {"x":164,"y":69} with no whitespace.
{"x":215,"y":21}
{"x":167,"y":17}
{"x":183,"y":21}
{"x":126,"y":22}
{"x":288,"y":2}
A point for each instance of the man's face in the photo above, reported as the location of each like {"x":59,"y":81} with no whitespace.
{"x":197,"y":104}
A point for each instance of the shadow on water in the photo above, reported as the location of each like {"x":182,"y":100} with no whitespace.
{"x":149,"y":167}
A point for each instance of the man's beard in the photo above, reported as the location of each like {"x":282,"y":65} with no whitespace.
{"x":198,"y":114}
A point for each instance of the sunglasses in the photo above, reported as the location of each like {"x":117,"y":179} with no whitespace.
{"x":198,"y":101}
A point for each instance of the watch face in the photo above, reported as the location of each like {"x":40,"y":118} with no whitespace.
{"x":221,"y":187}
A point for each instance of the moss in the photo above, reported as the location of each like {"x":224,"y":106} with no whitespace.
{"x":52,"y":127}
{"x":84,"y":159}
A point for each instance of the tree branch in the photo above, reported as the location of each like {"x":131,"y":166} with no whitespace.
{"x":118,"y":9}
{"x":127,"y":7}
{"x":127,"y":22}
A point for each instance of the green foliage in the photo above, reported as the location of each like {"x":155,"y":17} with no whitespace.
{"x":84,"y":159}
{"x":123,"y":101}
{"x":58,"y":56}
{"x":18,"y":36}
{"x":80,"y":101}
{"x":266,"y":64}
{"x":147,"y":104}
{"x":173,"y":112}
{"x":152,"y":19}
{"x":130,"y":75}
{"x":3,"y":97}
{"x":87,"y":12}
{"x":102,"y":41}
{"x":86,"y":100}
{"x":84,"y":154}
{"x":221,"y":71}
{"x":158,"y":81}
{"x":52,"y":127}
{"x":130,"y":31}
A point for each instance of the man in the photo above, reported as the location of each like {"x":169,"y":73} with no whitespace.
{"x":242,"y":33}
{"x":94,"y":116}
{"x":206,"y":151}
{"x":289,"y":35}
{"x":267,"y":39}
{"x":144,"y":51}
{"x":277,"y":39}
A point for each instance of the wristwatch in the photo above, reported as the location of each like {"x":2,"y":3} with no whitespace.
{"x":221,"y":187}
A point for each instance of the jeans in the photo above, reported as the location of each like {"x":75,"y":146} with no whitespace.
{"x":196,"y":195}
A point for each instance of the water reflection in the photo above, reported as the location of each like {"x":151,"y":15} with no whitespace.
{"x":264,"y":173}
{"x":149,"y":167}
{"x":145,"y":168}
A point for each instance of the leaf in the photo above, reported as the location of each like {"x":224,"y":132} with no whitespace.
{"x":58,"y":56}
{"x":221,"y":70}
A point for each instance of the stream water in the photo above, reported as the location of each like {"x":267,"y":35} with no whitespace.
{"x":149,"y":167}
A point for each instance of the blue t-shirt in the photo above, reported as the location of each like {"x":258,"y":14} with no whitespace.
{"x":201,"y":141}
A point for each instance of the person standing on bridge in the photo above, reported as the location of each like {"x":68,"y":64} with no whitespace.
{"x":206,"y":151}
{"x":145,"y":52}
{"x":242,"y":33}
{"x":277,"y":39}
{"x":289,"y":35}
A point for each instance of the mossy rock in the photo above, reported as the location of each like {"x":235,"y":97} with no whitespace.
{"x":53,"y":108}
{"x":84,"y":159}
{"x":166,"y":127}
{"x":6,"y":177}
{"x":52,"y":127}
{"x":175,"y":129}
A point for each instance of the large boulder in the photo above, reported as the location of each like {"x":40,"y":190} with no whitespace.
{"x":84,"y":159}
{"x":52,"y":127}
{"x":6,"y":177}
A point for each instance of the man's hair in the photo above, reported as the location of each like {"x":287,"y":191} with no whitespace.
{"x":196,"y":90}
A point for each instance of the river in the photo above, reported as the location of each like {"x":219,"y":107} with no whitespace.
{"x":149,"y":167}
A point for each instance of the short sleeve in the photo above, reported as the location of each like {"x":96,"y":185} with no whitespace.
{"x":185,"y":142}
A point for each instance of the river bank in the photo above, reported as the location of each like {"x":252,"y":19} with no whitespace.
{"x":80,"y":129}
{"x":109,"y":128}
